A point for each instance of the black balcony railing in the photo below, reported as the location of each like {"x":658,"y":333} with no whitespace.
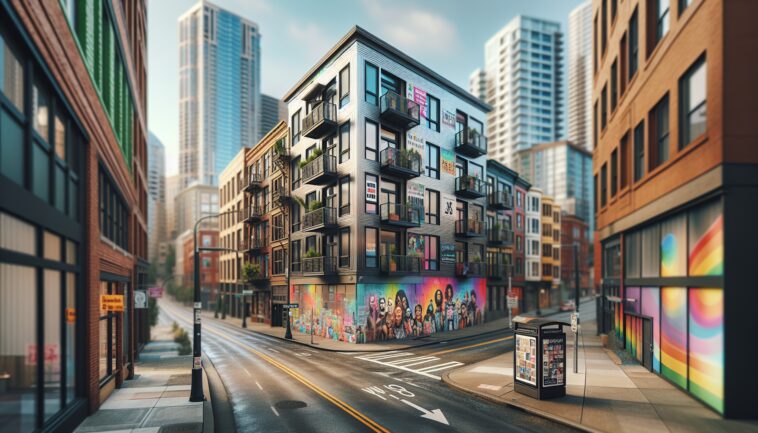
{"x":498,"y":271}
{"x":404,"y":215}
{"x":255,"y":243}
{"x":281,"y":149}
{"x":469,"y":227}
{"x":399,"y":110}
{"x":320,"y":121}
{"x":254,"y":182}
{"x":469,"y":269}
{"x":252,"y":213}
{"x":394,"y":263}
{"x":405,"y":163}
{"x":315,"y":266}
{"x":499,"y":235}
{"x":470,"y":142}
{"x":500,"y":200}
{"x":280,"y":194}
{"x":320,"y":219}
{"x":469,"y":187}
{"x":320,"y":170}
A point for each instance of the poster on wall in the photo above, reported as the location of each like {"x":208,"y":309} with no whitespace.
{"x":418,"y":96}
{"x":447,"y":208}
{"x":416,"y":245}
{"x":447,"y":253}
{"x":554,"y":361}
{"x":526,"y":359}
{"x":447,"y":161}
{"x":415,"y":143}
{"x":415,"y":190}
{"x":448,"y":119}
{"x":371,"y":190}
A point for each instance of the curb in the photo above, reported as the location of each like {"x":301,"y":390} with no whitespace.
{"x":207,"y":404}
{"x":542,"y":414}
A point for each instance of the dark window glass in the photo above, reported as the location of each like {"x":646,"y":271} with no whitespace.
{"x":604,"y":185}
{"x":634,"y":44}
{"x":345,"y":196}
{"x":624,"y":163}
{"x":345,"y":248}
{"x":432,"y":161}
{"x":692,"y":107}
{"x":432,"y":113}
{"x":614,"y":85}
{"x":432,"y":204}
{"x":345,"y":86}
{"x":604,"y":26}
{"x":659,"y":133}
{"x":604,"y":108}
{"x":639,"y":151}
{"x":344,"y":142}
{"x":11,"y":148}
{"x":295,"y":127}
{"x":614,"y":172}
{"x":372,"y":83}
{"x":372,"y":140}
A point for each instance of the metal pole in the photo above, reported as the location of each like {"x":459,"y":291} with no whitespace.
{"x":576,"y":307}
{"x":288,"y":333}
{"x":311,"y":325}
{"x":510,"y":294}
{"x":244,"y":309}
{"x":196,"y":392}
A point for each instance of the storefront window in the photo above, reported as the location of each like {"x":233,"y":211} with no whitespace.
{"x":52,"y":348}
{"x":70,"y":314}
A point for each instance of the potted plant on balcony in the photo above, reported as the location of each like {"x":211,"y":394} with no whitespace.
{"x":279,"y":147}
{"x":315,"y":205}
{"x":312,"y":253}
{"x":391,"y":259}
{"x":251,"y":271}
{"x":316,"y":153}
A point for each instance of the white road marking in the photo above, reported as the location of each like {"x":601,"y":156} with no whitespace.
{"x":247,"y":372}
{"x":395,"y":397}
{"x":405,"y":360}
{"x":275,"y":412}
{"x":434,"y":414}
{"x":259,"y":385}
{"x":273,"y":350}
{"x":439,"y":367}
{"x":484,"y":369}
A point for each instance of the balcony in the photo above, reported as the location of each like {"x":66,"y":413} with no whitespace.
{"x":255,"y":244}
{"x":252,"y":214}
{"x":321,"y":121}
{"x":320,"y":170}
{"x":315,"y":266}
{"x":398,"y":264}
{"x":469,"y":228}
{"x":500,"y":200}
{"x":498,"y":271}
{"x":280,"y":195}
{"x":254,"y":182}
{"x":399,"y":110}
{"x":281,"y":150}
{"x":253,"y":273}
{"x":321,"y":219}
{"x":469,"y":187}
{"x":470,"y":143}
{"x":499,"y":236}
{"x":403,"y":163}
{"x":469,"y":269}
{"x":401,"y":215}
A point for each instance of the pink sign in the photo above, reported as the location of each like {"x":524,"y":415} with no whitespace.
{"x":155,"y":292}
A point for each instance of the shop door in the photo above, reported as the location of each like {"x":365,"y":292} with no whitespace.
{"x":647,"y":343}
{"x":276,"y":315}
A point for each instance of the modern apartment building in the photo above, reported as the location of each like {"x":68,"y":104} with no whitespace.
{"x":232,"y":182}
{"x":219,"y":90}
{"x":273,"y":111}
{"x":388,"y":172}
{"x":73,"y":206}
{"x":172,"y":190}
{"x":676,"y":190}
{"x":501,"y":182}
{"x":477,"y":83}
{"x":156,"y":196}
{"x":551,"y":252}
{"x":579,"y":114}
{"x":193,"y":202}
{"x":518,"y":282}
{"x":523,"y":70}
{"x":562,"y":170}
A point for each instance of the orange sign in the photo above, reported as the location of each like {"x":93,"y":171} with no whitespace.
{"x":70,"y":315}
{"x":112,"y":302}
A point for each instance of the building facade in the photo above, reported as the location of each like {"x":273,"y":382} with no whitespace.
{"x":209,"y":265}
{"x":73,"y":207}
{"x":523,"y":70}
{"x":156,"y":196}
{"x":551,"y":252}
{"x":676,"y":190}
{"x":219,"y":90}
{"x":575,"y":231}
{"x":231,"y":232}
{"x":172,"y":190}
{"x":500,"y":237}
{"x":273,"y":111}
{"x":382,"y":189}
{"x":194,"y":202}
{"x":579,"y":114}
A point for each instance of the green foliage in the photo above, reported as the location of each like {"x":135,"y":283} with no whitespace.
{"x":279,"y":147}
{"x":181,"y":337}
{"x":183,"y":294}
{"x":312,"y":253}
{"x":315,"y":205}
{"x":152,"y":311}
{"x":251,"y":271}
{"x":316,"y":153}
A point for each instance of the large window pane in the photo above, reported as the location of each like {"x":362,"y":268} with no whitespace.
{"x":651,"y":306}
{"x":17,"y":235}
{"x":693,"y":103}
{"x":12,"y":75}
{"x":674,"y":247}
{"x":60,"y":137}
{"x":632,"y":255}
{"x":706,"y":240}
{"x":18,"y":348}
{"x":41,"y":110}
{"x":706,"y":346}
{"x":70,"y":313}
{"x":674,"y":334}
{"x":40,"y":172}
{"x":11,"y":148}
{"x":52,"y":350}
{"x":652,"y":251}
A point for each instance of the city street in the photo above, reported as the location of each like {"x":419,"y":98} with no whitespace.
{"x":279,"y":386}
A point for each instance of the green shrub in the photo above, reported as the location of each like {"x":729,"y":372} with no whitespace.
{"x":181,"y":337}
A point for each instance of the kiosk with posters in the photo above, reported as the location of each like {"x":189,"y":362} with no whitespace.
{"x":539,"y":357}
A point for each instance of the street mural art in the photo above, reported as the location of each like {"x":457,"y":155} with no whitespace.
{"x":706,"y":346}
{"x":706,"y":234}
{"x":651,"y":306}
{"x":328,"y":310}
{"x":674,"y":334}
{"x":397,"y":311}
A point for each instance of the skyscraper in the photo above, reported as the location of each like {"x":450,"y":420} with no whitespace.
{"x":219,"y":90}
{"x":156,"y":196}
{"x":579,"y":115}
{"x":477,"y":83}
{"x":523,"y":69}
{"x":272,"y":111}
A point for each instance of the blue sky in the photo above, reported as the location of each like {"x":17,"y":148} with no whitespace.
{"x":446,"y":35}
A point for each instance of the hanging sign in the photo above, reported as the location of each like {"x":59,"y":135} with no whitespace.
{"x":447,"y":161}
{"x":112,"y":302}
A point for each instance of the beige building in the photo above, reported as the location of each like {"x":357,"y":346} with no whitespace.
{"x":231,"y":225}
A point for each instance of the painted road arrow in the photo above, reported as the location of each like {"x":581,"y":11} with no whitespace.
{"x":435,"y":415}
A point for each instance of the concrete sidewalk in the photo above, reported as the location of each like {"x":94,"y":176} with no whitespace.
{"x":605,"y":396}
{"x":157,"y":399}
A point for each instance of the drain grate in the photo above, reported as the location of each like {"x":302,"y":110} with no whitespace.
{"x":290,"y":404}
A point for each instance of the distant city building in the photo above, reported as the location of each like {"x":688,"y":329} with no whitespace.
{"x":272,"y":112}
{"x":194,"y":202}
{"x":575,"y":230}
{"x":579,"y":114}
{"x":562,"y":170}
{"x":219,"y":96}
{"x":209,"y":270}
{"x":172,"y":190}
{"x":523,"y":71}
{"x":477,"y":84}
{"x":156,"y":197}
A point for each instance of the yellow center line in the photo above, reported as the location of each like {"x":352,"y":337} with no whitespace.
{"x":332,"y":399}
{"x":484,"y":343}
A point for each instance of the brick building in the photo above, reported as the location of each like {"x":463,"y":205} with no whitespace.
{"x":209,"y":265}
{"x":574,"y":231}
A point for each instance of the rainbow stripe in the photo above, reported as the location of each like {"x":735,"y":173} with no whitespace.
{"x":706,"y":351}
{"x":707,"y":255}
{"x":651,"y":303}
{"x":674,"y":334}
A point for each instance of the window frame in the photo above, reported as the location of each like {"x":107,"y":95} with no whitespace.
{"x":428,"y":260}
{"x":344,"y":256}
{"x":429,"y":213}
{"x":367,"y":148}
{"x":344,"y":148}
{"x":344,"y":88}
{"x":429,"y":170}
{"x":295,"y":125}
{"x":432,"y":117}
{"x":366,"y":258}
{"x":344,"y":199}
{"x":685,"y":113}
{"x":368,"y":93}
{"x":639,"y":151}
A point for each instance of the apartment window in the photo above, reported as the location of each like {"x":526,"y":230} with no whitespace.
{"x":692,"y":107}
{"x":519,"y":199}
{"x":634,"y":44}
{"x":114,"y":214}
{"x":604,"y":27}
{"x":519,"y":222}
{"x":278,"y":261}
{"x":372,"y":140}
{"x":345,"y":196}
{"x":595,"y":188}
{"x":372,"y":193}
{"x":345,"y":86}
{"x":622,"y":65}
{"x":659,"y":133}
{"x":639,"y":151}
{"x":614,"y":6}
{"x":604,"y":108}
{"x":594,"y":45}
{"x":372,"y":241}
{"x":295,"y":170}
{"x":594,"y":127}
{"x":683,"y":4}
{"x":432,"y":161}
{"x":345,"y":248}
{"x":432,"y":203}
{"x":344,"y":142}
{"x":604,"y":185}
{"x":295,"y":256}
{"x":432,"y":113}
{"x":296,"y":210}
{"x":624,"y":166}
{"x":431,"y":253}
{"x":372,"y":83}
{"x":614,"y":172}
{"x":659,"y":14}
{"x":296,"y":127}
{"x":614,"y":85}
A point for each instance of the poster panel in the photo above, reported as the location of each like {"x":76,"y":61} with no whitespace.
{"x":448,"y":118}
{"x":526,"y":359}
{"x":553,"y":360}
{"x":447,"y":160}
{"x":447,"y":208}
{"x":447,"y":253}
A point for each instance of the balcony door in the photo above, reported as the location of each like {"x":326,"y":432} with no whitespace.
{"x":461,"y":167}
{"x":330,"y":145}
{"x":391,"y":83}
{"x":388,"y":138}
{"x":330,"y":193}
{"x":461,"y":211}
{"x":389,"y":243}
{"x":461,"y":121}
{"x":329,"y":93}
{"x":331,"y":247}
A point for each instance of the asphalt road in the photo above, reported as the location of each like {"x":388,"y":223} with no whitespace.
{"x":278,"y":386}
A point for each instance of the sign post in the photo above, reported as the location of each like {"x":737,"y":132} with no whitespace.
{"x":288,"y":307}
{"x":575,"y":330}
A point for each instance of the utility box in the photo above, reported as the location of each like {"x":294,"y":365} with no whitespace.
{"x":539,"y":357}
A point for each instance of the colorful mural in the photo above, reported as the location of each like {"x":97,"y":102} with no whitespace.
{"x":706,"y":346}
{"x":327,"y":309}
{"x":396,"y":311}
{"x":651,"y":306}
{"x":706,"y":234}
{"x":674,"y":334}
{"x":673,"y":246}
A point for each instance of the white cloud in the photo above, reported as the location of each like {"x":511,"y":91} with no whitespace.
{"x":309,"y":37}
{"x":414,"y":30}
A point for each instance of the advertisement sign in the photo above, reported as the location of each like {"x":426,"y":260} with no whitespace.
{"x":447,"y":253}
{"x":448,"y":118}
{"x":70,"y":315}
{"x":140,"y":299}
{"x":416,"y":245}
{"x":416,"y":143}
{"x":418,"y":96}
{"x":526,"y":359}
{"x":554,"y":361}
{"x":112,"y":302}
{"x":512,"y":301}
{"x":371,"y":191}
{"x":447,"y":208}
{"x":155,"y":292}
{"x":447,"y":161}
{"x":415,"y":190}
